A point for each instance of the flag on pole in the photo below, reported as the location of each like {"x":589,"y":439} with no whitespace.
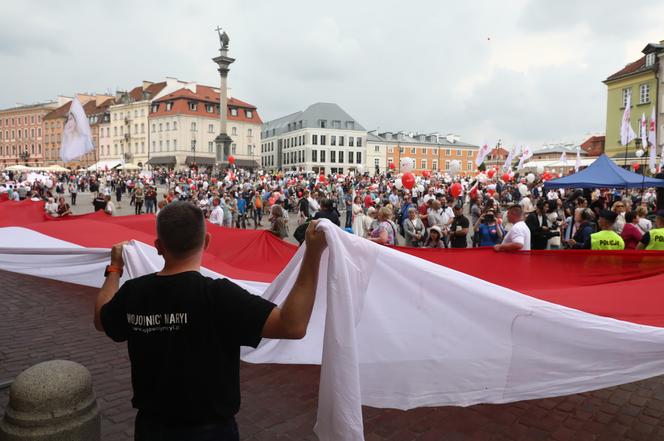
{"x":652,"y":139}
{"x":510,"y":157}
{"x":482,"y":154}
{"x":627,"y":134}
{"x":577,"y":163}
{"x":644,"y":131}
{"x":526,"y":154}
{"x":563,"y":159}
{"x":76,"y":137}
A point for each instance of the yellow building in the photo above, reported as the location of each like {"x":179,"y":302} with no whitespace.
{"x":638,"y":80}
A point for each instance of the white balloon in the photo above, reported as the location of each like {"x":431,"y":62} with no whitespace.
{"x":540,"y":169}
{"x":530,"y":178}
{"x":360,"y":169}
{"x":455,"y":167}
{"x":398,"y":184}
{"x":407,"y":164}
{"x":523,"y":189}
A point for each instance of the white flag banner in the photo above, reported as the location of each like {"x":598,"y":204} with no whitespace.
{"x":510,"y":157}
{"x":563,"y":159}
{"x":577,"y":163}
{"x":644,"y":131}
{"x":627,"y":134}
{"x":482,"y":154}
{"x":526,"y":154}
{"x":76,"y":137}
{"x":652,"y":140}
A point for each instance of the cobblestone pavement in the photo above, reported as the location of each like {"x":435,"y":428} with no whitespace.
{"x":43,"y":320}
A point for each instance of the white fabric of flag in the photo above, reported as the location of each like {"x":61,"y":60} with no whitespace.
{"x":577,"y":163}
{"x":627,"y":134}
{"x":510,"y":157}
{"x":652,"y":140}
{"x":482,"y":154}
{"x":526,"y":154}
{"x":77,"y":136}
{"x":563,"y":159}
{"x":644,"y":131}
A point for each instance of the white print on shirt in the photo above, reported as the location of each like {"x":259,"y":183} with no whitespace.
{"x":157,"y":322}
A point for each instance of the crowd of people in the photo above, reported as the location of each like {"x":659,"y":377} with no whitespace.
{"x":439,"y":211}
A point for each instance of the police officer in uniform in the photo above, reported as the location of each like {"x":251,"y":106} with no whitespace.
{"x":654,"y":239}
{"x":606,"y":238}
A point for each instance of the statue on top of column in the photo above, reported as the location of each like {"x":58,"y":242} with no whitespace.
{"x":223,"y":39}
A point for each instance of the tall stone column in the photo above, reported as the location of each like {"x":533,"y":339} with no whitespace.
{"x":223,"y":61}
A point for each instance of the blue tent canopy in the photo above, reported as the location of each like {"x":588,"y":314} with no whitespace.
{"x":604,"y":173}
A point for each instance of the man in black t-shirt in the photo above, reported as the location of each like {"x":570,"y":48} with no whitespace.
{"x":184,"y":330}
{"x":459,"y":228}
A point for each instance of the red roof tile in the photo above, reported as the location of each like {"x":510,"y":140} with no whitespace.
{"x":153,"y":89}
{"x":60,"y":112}
{"x":629,"y":69}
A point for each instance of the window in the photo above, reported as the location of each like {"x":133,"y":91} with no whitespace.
{"x":233,"y":111}
{"x":154,"y":146}
{"x":233,"y":130}
{"x":115,"y":148}
{"x":333,"y":156}
{"x":322,"y":123}
{"x":155,"y":107}
{"x":376,"y":162}
{"x":161,"y":127}
{"x":322,"y":140}
{"x":469,"y":153}
{"x":175,"y":144}
{"x":351,"y":157}
{"x":169,"y":105}
{"x":333,"y":140}
{"x":209,"y":108}
{"x":341,"y":156}
{"x":322,"y":156}
{"x":626,"y":94}
{"x":447,"y":165}
{"x":233,"y":149}
{"x":210,"y":146}
{"x":448,"y":152}
{"x":650,"y":59}
{"x":168,"y":145}
{"x":358,"y":157}
{"x":115,"y":131}
{"x":341,"y":141}
{"x":377,"y":149}
{"x":142,"y":127}
{"x":153,"y":128}
{"x":249,"y":113}
{"x":469,"y":165}
{"x":250,"y":132}
{"x":458,"y":152}
{"x":142,"y":147}
{"x":210,"y":128}
{"x":193,"y":145}
{"x":413,"y":150}
{"x":389,"y":149}
{"x":434,"y":165}
{"x":175,"y":125}
{"x":314,"y":155}
{"x":351,"y":141}
{"x":193,"y":127}
{"x":193,"y":105}
{"x":644,"y":93}
{"x":314,"y":139}
{"x":424,"y":164}
{"x":359,"y":142}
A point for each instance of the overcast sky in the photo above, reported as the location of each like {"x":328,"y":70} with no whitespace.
{"x":525,"y":71}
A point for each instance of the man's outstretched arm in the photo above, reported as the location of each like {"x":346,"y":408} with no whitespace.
{"x":110,"y":286}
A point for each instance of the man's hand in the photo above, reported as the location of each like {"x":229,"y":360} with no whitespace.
{"x":497,"y":247}
{"x":116,"y":254}
{"x":315,"y":240}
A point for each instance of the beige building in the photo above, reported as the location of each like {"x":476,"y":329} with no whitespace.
{"x":185,"y":123}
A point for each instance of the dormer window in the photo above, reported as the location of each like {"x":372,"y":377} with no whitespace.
{"x":249,"y":113}
{"x":193,"y":105}
{"x":155,"y":107}
{"x":169,"y":105}
{"x":233,"y":111}
{"x":209,"y":108}
{"x":650,"y":59}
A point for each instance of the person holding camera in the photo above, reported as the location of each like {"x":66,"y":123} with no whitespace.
{"x":537,"y":223}
{"x":488,"y":231}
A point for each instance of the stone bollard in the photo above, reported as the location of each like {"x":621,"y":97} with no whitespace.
{"x":52,"y":401}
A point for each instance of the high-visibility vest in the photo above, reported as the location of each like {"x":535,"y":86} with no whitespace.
{"x":656,"y":239}
{"x":606,"y":240}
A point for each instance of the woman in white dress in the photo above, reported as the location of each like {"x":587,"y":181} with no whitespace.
{"x":358,"y":218}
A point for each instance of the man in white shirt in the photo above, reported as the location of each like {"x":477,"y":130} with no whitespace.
{"x":217,"y":214}
{"x":526,"y":204}
{"x":518,"y":237}
{"x":314,"y":206}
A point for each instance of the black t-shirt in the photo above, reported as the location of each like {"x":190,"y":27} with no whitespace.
{"x":184,"y":334}
{"x":459,"y":222}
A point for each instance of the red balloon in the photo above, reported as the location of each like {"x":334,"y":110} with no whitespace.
{"x":636,"y":166}
{"x":491,"y":191}
{"x":299,"y":194}
{"x":408,"y":180}
{"x":490,"y":173}
{"x":392,"y":166}
{"x":231,"y":159}
{"x":456,"y":190}
{"x":321,"y":178}
{"x":505,"y":177}
{"x":426,"y":173}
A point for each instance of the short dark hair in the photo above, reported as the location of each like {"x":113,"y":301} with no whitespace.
{"x":181,"y":228}
{"x":327,"y":204}
{"x":630,"y":216}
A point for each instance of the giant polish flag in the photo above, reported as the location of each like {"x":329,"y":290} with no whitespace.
{"x":402,"y":327}
{"x":76,"y":137}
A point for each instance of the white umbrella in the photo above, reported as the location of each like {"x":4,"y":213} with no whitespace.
{"x":17,"y":167}
{"x":57,"y":168}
